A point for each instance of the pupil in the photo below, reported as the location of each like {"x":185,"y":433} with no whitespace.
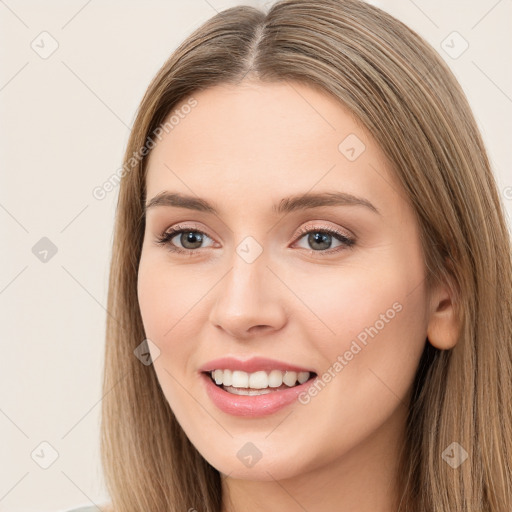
{"x":320,"y":238}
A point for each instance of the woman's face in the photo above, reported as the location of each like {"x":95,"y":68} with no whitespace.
{"x":332,"y":284}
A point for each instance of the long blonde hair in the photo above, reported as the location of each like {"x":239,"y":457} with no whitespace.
{"x":409,"y":100}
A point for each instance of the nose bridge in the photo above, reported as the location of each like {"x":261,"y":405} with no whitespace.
{"x":249,"y":295}
{"x":248,"y":272}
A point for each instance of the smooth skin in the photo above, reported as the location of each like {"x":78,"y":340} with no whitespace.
{"x":303,"y":300}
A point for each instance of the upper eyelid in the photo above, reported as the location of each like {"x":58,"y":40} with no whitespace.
{"x":309,"y":226}
{"x":312,"y":225}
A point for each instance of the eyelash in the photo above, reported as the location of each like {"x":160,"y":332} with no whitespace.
{"x":165,"y":239}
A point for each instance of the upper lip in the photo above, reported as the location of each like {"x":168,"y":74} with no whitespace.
{"x":251,"y":365}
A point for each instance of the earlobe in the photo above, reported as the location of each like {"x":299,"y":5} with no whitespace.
{"x":443,"y":327}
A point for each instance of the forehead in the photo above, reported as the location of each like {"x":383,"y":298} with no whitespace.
{"x":256,"y":140}
{"x":256,"y":117}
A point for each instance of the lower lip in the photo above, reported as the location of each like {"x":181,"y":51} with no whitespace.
{"x":255,"y":405}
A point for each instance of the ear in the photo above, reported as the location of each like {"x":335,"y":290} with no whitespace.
{"x":443,"y":326}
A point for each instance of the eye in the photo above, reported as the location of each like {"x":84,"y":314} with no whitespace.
{"x":320,"y":239}
{"x":189,"y":238}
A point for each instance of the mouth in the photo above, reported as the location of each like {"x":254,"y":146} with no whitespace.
{"x":261,"y":382}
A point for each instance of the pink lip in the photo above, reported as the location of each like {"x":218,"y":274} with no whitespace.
{"x":251,"y":365}
{"x":255,"y":405}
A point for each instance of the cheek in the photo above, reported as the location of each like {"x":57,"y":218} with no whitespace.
{"x":174,"y":302}
{"x":371,"y":359}
{"x":154,"y":299}
{"x":375,"y":315}
{"x":166,"y":296}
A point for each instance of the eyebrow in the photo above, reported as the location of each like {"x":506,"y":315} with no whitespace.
{"x":286,"y":205}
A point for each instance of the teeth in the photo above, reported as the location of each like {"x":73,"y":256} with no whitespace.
{"x":227,"y":377}
{"x":275,"y":378}
{"x":258,"y":380}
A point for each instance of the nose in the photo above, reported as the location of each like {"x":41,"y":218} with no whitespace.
{"x":249,"y":300}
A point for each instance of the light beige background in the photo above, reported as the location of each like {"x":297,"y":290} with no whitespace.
{"x":65,"y":121}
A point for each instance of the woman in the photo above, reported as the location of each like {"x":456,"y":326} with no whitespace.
{"x":310,"y":291}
